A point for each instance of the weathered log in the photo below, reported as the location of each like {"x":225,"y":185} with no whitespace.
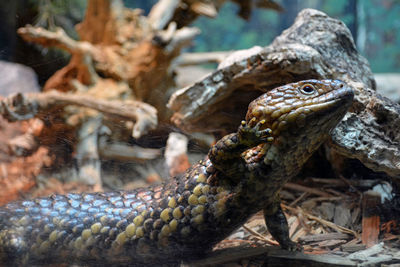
{"x":371,"y":133}
{"x":267,"y":256}
{"x":315,"y":46}
{"x":22,"y":107}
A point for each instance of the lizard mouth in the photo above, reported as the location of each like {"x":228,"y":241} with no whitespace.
{"x":294,"y":108}
{"x":340,"y":99}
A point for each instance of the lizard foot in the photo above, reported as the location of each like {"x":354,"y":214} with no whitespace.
{"x":291,"y":246}
{"x":251,"y":133}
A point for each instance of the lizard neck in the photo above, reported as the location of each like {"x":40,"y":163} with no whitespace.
{"x":271,"y":166}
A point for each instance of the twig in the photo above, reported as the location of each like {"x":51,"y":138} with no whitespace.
{"x":260,"y":236}
{"x":162,"y":12}
{"x":322,"y":221}
{"x":310,"y":190}
{"x":205,"y":9}
{"x":337,"y":193}
{"x":56,"y":39}
{"x":126,"y":152}
{"x":349,"y":184}
{"x":331,"y":182}
{"x":181,"y":38}
{"x":320,"y":199}
{"x":302,"y":196}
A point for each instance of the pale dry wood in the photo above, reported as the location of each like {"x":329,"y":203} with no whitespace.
{"x":207,"y":9}
{"x":187,"y":59}
{"x":259,"y":236}
{"x":81,"y":65}
{"x":323,"y":237}
{"x":87,"y":155}
{"x":57,"y":38}
{"x":352,"y":247}
{"x":20,"y":107}
{"x":366,"y":253}
{"x":377,"y":260}
{"x":332,"y":243}
{"x":124,"y":152}
{"x":161,"y":13}
{"x":180,"y":38}
{"x":175,"y":155}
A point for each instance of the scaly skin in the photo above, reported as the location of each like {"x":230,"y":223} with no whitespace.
{"x":186,"y":216}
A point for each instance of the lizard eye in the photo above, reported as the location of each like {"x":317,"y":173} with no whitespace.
{"x":307,"y":89}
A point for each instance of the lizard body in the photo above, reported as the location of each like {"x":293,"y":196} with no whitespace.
{"x":184,"y":217}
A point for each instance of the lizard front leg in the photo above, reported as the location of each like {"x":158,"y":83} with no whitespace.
{"x":226,"y":153}
{"x":277,"y":225}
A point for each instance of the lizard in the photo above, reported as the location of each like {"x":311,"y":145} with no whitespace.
{"x":184,"y":217}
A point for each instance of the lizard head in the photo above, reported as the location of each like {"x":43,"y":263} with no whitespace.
{"x":306,"y":109}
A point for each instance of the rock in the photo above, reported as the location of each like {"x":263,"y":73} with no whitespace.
{"x":17,"y":78}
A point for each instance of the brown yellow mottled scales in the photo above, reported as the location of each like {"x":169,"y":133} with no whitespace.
{"x":187,"y":215}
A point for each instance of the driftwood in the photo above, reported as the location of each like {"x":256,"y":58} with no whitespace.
{"x":26,"y":106}
{"x":316,"y":46}
{"x":123,"y":65}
